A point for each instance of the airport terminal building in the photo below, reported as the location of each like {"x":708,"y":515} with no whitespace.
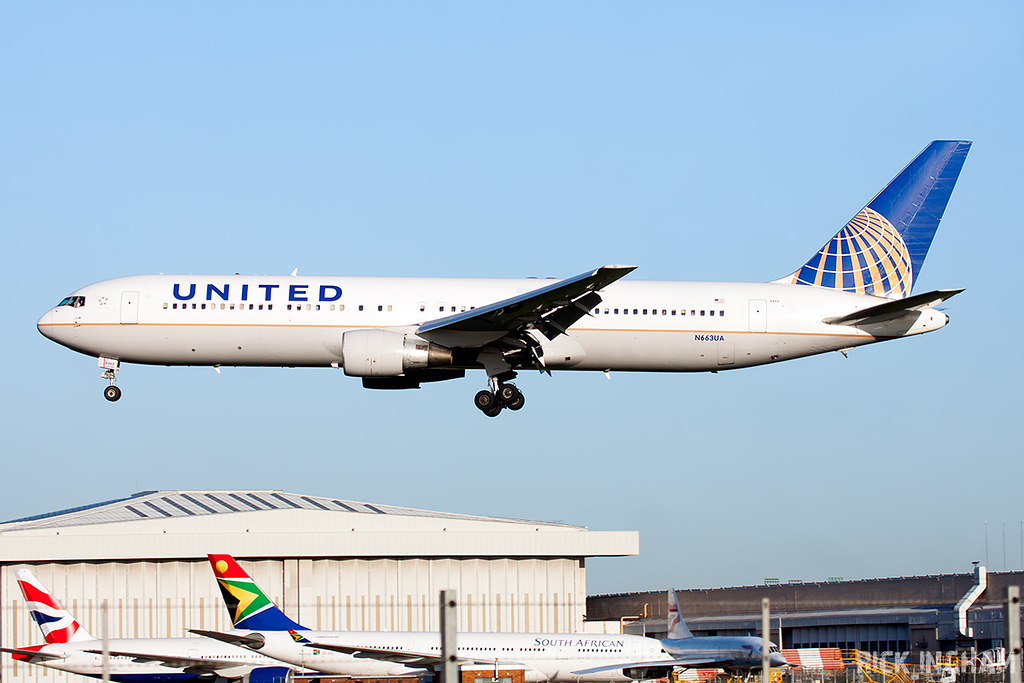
{"x":329,"y":564}
{"x":915,"y":614}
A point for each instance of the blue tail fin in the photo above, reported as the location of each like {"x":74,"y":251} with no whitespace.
{"x":880,"y":252}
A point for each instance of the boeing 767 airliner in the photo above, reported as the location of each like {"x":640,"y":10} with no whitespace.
{"x":397,"y":333}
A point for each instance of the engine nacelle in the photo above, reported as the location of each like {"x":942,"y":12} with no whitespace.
{"x":384,"y":353}
{"x":269,"y":674}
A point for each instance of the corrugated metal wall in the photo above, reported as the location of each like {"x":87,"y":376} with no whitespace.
{"x":165,"y":599}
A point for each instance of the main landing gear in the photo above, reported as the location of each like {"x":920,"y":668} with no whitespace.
{"x":501,"y":395}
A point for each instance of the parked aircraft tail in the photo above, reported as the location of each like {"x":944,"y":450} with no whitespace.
{"x":57,"y":624}
{"x":676,"y":626}
{"x":881,"y":250}
{"x":248,"y":606}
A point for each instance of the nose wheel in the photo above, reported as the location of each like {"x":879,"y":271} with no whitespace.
{"x":110,"y":367}
{"x":490,"y":403}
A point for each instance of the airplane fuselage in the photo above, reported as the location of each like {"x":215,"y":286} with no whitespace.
{"x":85,"y":658}
{"x":649,"y":326}
{"x":544,"y":656}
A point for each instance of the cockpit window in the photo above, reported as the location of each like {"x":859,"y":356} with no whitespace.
{"x":73,"y":301}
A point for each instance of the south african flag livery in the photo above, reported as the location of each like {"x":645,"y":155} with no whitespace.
{"x":249,"y":607}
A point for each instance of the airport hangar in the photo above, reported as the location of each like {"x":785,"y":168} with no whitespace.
{"x":328,"y":563}
{"x":916,"y":614}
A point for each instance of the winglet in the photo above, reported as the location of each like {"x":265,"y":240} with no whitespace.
{"x":248,"y":606}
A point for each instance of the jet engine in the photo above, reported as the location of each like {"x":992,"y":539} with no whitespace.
{"x":385,"y":353}
{"x":269,"y":674}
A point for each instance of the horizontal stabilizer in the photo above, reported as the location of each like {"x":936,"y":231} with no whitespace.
{"x":252,"y":641}
{"x":891,"y":310}
{"x":21,"y":653}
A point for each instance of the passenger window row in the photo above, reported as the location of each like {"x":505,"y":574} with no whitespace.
{"x":269,"y":307}
{"x":654,"y":311}
{"x":441,"y":308}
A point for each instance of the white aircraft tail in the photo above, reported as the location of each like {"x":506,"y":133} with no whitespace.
{"x":676,"y":626}
{"x":57,"y":624}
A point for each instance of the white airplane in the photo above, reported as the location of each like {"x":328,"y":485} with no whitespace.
{"x":261,"y":626}
{"x":586,"y":658}
{"x":71,"y":649}
{"x":397,"y":333}
{"x":734,"y":654}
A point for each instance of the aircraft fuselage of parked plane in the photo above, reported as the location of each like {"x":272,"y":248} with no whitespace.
{"x":70,"y":648}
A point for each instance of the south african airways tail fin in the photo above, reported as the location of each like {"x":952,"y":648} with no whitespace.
{"x":676,"y":626}
{"x":249,"y":607}
{"x":881,"y":250}
{"x":57,"y":624}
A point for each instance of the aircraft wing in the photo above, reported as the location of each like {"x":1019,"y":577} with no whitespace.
{"x":191,"y":664}
{"x":408,"y":658}
{"x":32,"y":653}
{"x":551,"y":309}
{"x":686,"y":663}
{"x":891,"y":310}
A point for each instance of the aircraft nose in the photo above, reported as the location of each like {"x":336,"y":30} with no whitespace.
{"x":778,"y":659}
{"x":45,"y":324}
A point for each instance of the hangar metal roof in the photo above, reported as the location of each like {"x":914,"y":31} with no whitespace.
{"x":165,"y":504}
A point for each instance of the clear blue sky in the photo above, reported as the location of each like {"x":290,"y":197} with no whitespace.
{"x":720,"y":141}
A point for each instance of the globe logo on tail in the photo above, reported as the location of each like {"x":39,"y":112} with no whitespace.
{"x":868,"y":256}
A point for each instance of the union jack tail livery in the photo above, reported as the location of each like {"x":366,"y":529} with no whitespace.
{"x":676,"y":626}
{"x":881,"y":250}
{"x":56,"y":623}
{"x":248,"y":606}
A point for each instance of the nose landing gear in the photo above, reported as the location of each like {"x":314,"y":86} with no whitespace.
{"x":501,"y":395}
{"x":110,"y":366}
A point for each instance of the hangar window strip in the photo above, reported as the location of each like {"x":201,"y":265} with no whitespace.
{"x":165,"y":513}
{"x":285,"y":500}
{"x":140,"y":514}
{"x":229,"y":506}
{"x":80,"y":508}
{"x":251,"y":504}
{"x":377,"y":510}
{"x":343,"y":505}
{"x":178,"y":505}
{"x":202,"y":505}
{"x":311,"y":501}
{"x":270,"y":506}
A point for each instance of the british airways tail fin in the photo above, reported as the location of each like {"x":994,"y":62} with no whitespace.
{"x":881,"y":250}
{"x":57,"y":624}
{"x":676,"y":626}
{"x":248,"y":606}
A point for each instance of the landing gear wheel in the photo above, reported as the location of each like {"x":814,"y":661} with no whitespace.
{"x":494,"y":410}
{"x":485,"y":401}
{"x":112,"y":393}
{"x":511,"y":397}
